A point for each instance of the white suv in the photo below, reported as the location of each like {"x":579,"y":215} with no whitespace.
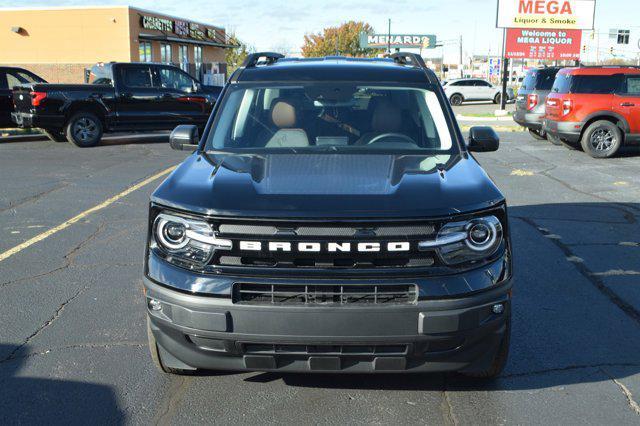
{"x":472,"y":89}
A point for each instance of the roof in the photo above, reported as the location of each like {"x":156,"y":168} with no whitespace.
{"x":601,"y":70}
{"x":335,"y":68}
{"x":115,"y":6}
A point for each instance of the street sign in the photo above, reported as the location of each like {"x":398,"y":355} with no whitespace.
{"x":560,"y":14}
{"x":543,"y":44}
{"x":397,"y":41}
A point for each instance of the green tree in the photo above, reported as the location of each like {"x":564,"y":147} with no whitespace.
{"x":234,"y":57}
{"x":343,"y":40}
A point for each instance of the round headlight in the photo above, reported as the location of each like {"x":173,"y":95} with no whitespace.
{"x":172,"y":235}
{"x":481,"y":235}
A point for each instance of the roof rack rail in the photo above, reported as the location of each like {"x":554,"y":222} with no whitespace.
{"x":253,"y":59}
{"x":415,"y":60}
{"x":406,"y":58}
{"x":608,"y":66}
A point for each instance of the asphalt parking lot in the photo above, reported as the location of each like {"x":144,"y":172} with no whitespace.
{"x":73,"y":346}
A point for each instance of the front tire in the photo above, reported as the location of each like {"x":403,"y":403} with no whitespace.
{"x":456,"y":100}
{"x":54,"y":135}
{"x":602,"y":139}
{"x":84,"y":130}
{"x":155,"y":354}
{"x":499,"y":360}
{"x":540,"y":135}
{"x":497,"y":99}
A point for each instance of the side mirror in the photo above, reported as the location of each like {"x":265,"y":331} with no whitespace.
{"x":184,"y":138}
{"x":483,"y":139}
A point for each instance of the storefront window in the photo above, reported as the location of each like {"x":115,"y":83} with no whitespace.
{"x":165,"y":53}
{"x":197,"y":59}
{"x":145,"y":51}
{"x":184,"y":58}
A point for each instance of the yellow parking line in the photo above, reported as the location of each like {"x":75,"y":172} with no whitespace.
{"x":64,"y":225}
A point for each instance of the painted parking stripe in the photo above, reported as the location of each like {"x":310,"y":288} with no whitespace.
{"x":17,"y":249}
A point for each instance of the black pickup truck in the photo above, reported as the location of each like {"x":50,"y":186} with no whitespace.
{"x":10,"y":77}
{"x":121,"y":97}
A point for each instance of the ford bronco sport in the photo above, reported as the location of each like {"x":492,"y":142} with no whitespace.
{"x":331,"y":219}
{"x":532,"y":96}
{"x":597,"y":108}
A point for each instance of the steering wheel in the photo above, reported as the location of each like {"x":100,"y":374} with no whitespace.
{"x":379,"y":138}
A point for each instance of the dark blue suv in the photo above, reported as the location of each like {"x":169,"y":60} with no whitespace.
{"x":330,"y":219}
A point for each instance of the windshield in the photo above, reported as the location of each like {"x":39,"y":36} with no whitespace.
{"x":330,"y":116}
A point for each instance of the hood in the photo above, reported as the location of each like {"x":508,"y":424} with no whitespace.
{"x":328,"y":186}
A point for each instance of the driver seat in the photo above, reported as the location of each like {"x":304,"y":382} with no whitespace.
{"x":283,"y":115}
{"x":386,"y":118}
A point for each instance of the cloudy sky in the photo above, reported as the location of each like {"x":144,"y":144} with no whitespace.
{"x":279,"y":25}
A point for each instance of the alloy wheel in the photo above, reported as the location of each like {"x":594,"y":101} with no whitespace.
{"x":85,"y":129}
{"x":602,"y":139}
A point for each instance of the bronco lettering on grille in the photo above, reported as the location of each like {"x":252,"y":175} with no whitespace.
{"x":332,"y":247}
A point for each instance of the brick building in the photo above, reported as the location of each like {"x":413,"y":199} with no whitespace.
{"x":59,"y":43}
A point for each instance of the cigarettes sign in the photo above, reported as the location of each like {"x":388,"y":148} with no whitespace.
{"x":543,"y":44}
{"x":559,"y":14}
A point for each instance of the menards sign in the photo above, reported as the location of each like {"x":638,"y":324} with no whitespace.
{"x":397,"y":41}
{"x":559,"y":14}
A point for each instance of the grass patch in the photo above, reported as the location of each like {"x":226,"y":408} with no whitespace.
{"x":18,"y":132}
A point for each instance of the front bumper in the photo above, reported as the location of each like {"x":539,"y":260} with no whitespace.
{"x":29,"y":120}
{"x":213,"y":333}
{"x":530,"y":120}
{"x":568,"y":131}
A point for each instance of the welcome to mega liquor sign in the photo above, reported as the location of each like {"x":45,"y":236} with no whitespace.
{"x":543,"y":44}
{"x":559,"y":14}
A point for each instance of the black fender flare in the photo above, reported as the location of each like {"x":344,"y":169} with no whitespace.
{"x":93,"y":105}
{"x":622,"y":122}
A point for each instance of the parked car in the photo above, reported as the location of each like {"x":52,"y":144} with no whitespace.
{"x":330,"y":219}
{"x":121,"y":97}
{"x":595,"y":107}
{"x":10,"y":77}
{"x":531,"y":99}
{"x":473,"y":89}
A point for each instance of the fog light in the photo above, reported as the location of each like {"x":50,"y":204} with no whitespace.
{"x":155,"y":305}
{"x":498,"y":308}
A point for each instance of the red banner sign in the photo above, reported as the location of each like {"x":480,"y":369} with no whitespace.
{"x":543,"y":44}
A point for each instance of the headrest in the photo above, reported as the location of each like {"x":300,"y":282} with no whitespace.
{"x":283,"y":115}
{"x":387,"y":118}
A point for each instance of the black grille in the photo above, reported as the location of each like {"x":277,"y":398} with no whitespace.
{"x":344,"y":350}
{"x":324,"y":233}
{"x":325,"y":295}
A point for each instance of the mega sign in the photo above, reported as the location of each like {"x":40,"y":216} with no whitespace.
{"x":397,"y":41}
{"x":543,"y":44}
{"x":560,"y":14}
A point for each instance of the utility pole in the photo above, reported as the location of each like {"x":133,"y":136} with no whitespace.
{"x":389,"y":38}
{"x":461,"y":61}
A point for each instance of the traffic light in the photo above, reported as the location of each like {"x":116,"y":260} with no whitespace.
{"x":584,"y":48}
{"x":611,"y":50}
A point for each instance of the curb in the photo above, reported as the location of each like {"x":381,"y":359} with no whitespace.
{"x":465,"y":118}
{"x":512,"y":129}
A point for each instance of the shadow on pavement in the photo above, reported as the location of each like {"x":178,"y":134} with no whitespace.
{"x":576,"y":307}
{"x":110,"y":139}
{"x":35,"y":400}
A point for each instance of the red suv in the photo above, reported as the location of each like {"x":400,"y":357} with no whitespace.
{"x":598,"y":107}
